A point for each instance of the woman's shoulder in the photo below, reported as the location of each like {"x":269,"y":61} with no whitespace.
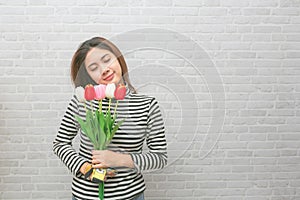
{"x":74,"y":99}
{"x":141,"y":96}
{"x":144,"y":99}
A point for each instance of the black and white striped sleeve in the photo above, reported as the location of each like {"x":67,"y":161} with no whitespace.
{"x":156,"y":158}
{"x":62,"y":144}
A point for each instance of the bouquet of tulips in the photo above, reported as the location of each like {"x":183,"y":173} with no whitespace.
{"x":98,"y":126}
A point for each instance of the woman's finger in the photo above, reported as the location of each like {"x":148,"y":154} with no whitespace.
{"x":99,"y":166}
{"x":110,"y":174}
{"x":95,"y":161}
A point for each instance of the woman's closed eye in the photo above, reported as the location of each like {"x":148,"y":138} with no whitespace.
{"x":93,"y":67}
{"x":106,"y":60}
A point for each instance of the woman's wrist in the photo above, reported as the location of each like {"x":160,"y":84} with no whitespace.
{"x":83,"y":167}
{"x":125,"y":160}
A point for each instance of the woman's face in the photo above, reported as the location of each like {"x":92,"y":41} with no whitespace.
{"x":103,"y":66}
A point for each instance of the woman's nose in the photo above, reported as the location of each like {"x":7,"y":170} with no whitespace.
{"x":105,"y":71}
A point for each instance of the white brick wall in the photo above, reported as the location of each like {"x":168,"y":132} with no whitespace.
{"x":255,"y":46}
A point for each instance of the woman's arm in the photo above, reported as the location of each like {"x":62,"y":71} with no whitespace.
{"x":156,"y":158}
{"x":62,"y":144}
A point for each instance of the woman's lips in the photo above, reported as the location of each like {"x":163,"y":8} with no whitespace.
{"x":109,"y":78}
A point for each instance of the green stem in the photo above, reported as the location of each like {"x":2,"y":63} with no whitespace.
{"x":115,"y":109}
{"x":109,"y":102}
{"x":100,"y":105}
{"x":101,"y":190}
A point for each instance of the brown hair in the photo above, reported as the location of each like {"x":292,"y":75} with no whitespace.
{"x":79,"y":75}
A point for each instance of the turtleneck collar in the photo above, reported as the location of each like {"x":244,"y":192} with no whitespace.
{"x":128,"y":92}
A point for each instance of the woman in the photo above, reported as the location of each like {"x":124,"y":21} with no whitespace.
{"x":98,"y":61}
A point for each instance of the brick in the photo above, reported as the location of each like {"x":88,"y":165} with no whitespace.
{"x":192,"y":11}
{"x":15,"y":195}
{"x":253,"y":136}
{"x":290,"y":144}
{"x":157,"y":3}
{"x":263,"y":161}
{"x":281,"y":112}
{"x":262,"y":129}
{"x":92,"y":3}
{"x":234,"y":3}
{"x":189,"y":3}
{"x":179,"y":193}
{"x":260,"y":105}
{"x":12,"y":10}
{"x":36,"y":10}
{"x":259,"y":191}
{"x":266,"y":29}
{"x":37,"y":2}
{"x":285,"y":11}
{"x":272,"y":121}
{"x":264,"y":3}
{"x":28,"y":187}
{"x":285,"y":105}
{"x":44,"y":194}
{"x":47,"y":187}
{"x":278,"y":37}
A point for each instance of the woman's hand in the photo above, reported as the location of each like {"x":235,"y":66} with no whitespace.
{"x":107,"y":158}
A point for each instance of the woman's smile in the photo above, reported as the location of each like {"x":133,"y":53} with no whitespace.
{"x":109,"y":77}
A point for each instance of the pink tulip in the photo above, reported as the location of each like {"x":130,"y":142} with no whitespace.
{"x":89,"y":92}
{"x":100,"y":91}
{"x":120,"y":92}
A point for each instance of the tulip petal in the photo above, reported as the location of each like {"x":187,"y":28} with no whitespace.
{"x":89,"y":92}
{"x":79,"y":92}
{"x":100,"y":91}
{"x":110,"y":90}
{"x":120,"y":92}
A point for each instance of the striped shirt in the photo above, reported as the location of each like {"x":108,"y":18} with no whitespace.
{"x":142,"y":122}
